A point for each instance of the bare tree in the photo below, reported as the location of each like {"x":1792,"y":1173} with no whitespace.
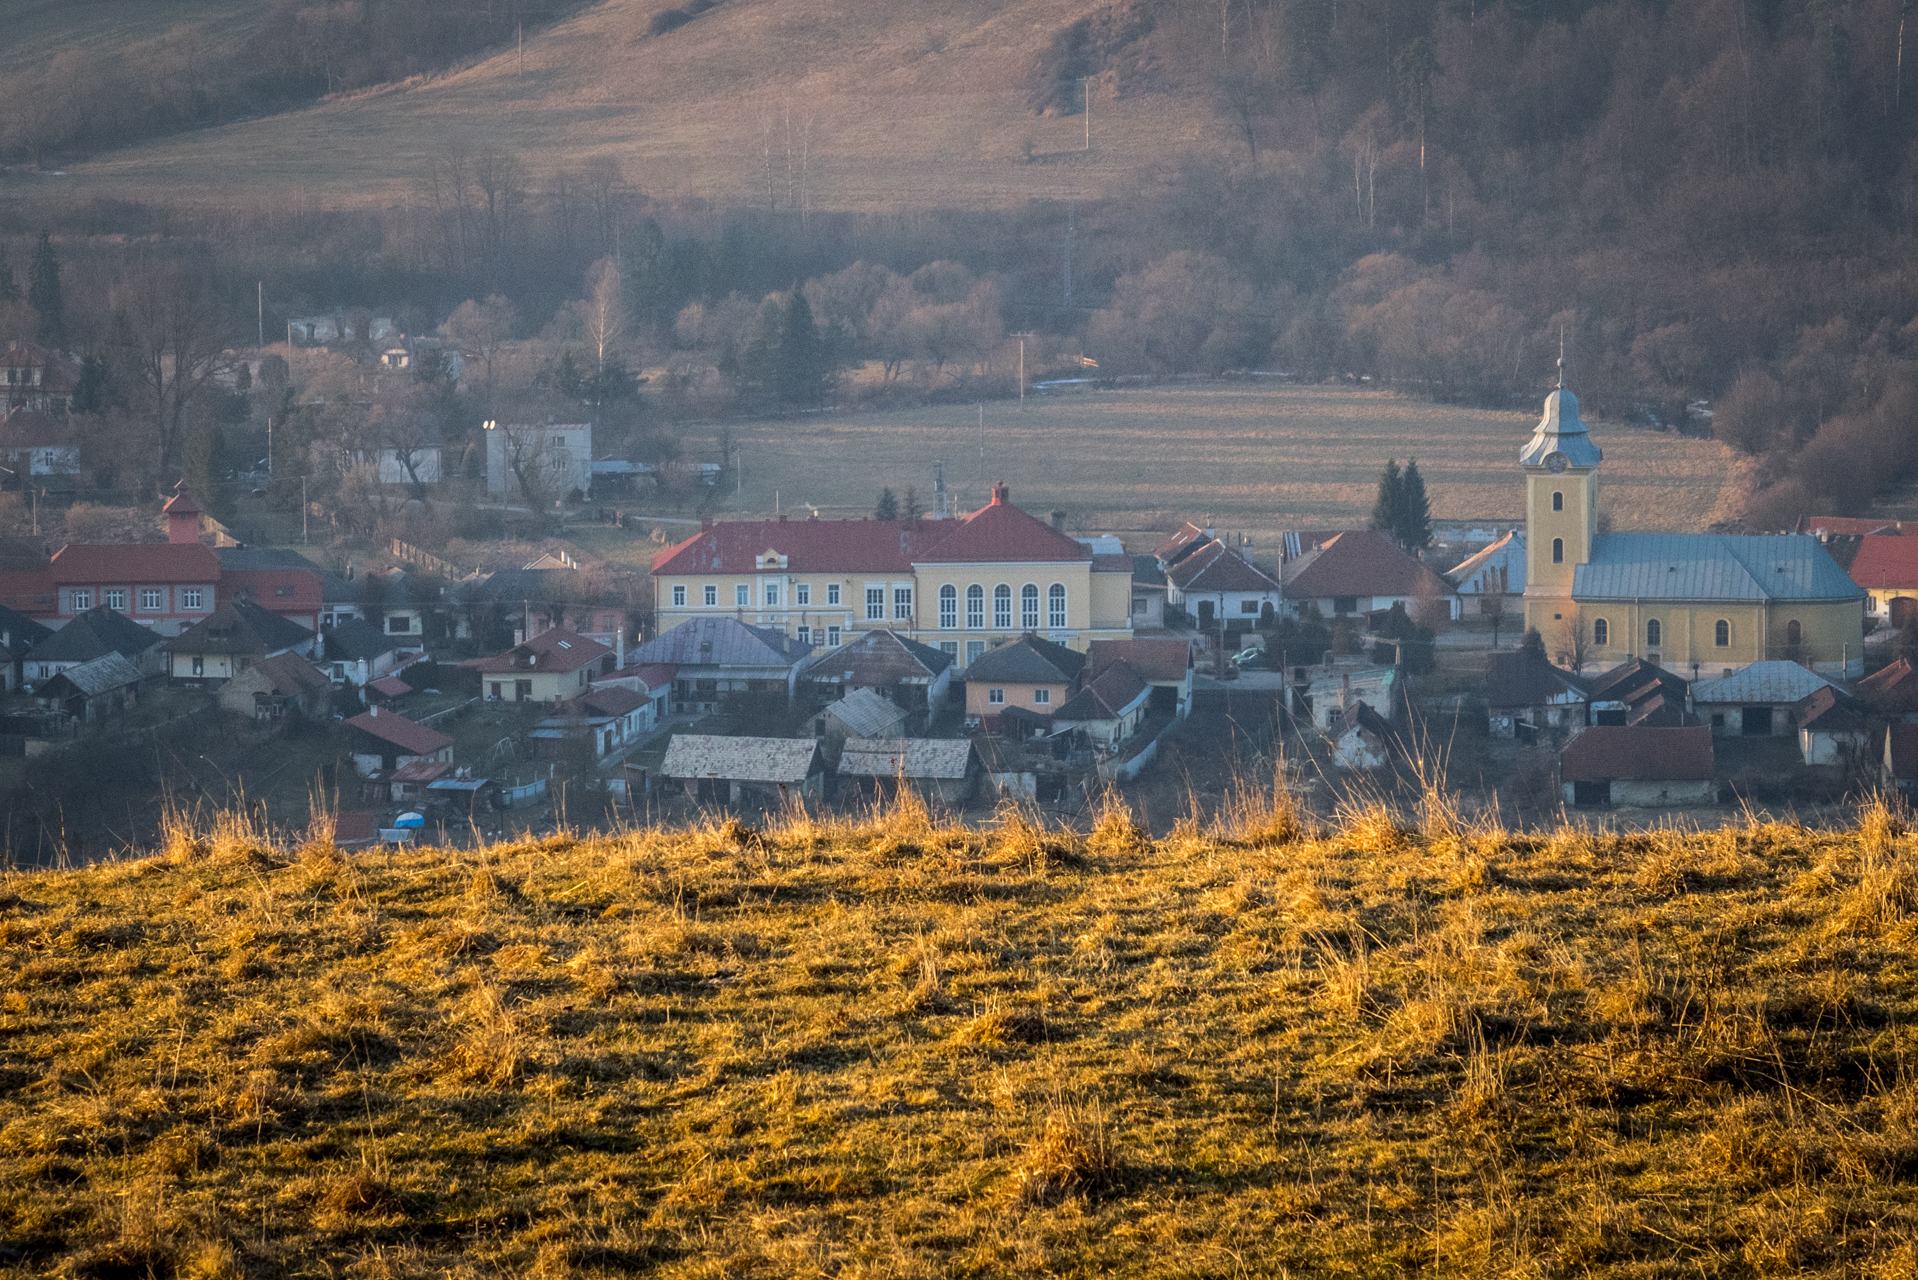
{"x":1574,"y":646}
{"x":481,"y":329}
{"x":167,"y":329}
{"x":531,"y":460}
{"x":603,"y":184}
{"x":603,"y":311}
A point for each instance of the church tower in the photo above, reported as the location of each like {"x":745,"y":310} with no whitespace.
{"x":1561,"y":513}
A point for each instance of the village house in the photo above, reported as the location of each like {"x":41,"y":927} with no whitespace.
{"x":1493,"y":580}
{"x":270,"y":689}
{"x":1031,"y":675}
{"x":1182,"y":542}
{"x":1361,"y":572}
{"x":1755,"y":701}
{"x":94,"y":634}
{"x":18,"y":635}
{"x":1525,"y":695}
{"x":1149,"y":589}
{"x":355,"y":653}
{"x":1702,"y":600}
{"x":915,"y":676}
{"x":1108,"y":708}
{"x":1832,"y":727}
{"x":561,"y":451}
{"x":716,"y":770}
{"x":231,"y":638}
{"x":1640,"y":692}
{"x":862,"y":713}
{"x":961,"y":585}
{"x":165,"y":586}
{"x":1216,"y":583}
{"x":553,"y":666}
{"x":609,"y":719}
{"x":41,"y":451}
{"x":652,"y":681}
{"x":1886,"y":566}
{"x":37,"y":378}
{"x":1164,"y":663}
{"x":279,"y":580}
{"x":1361,"y":739}
{"x":384,"y":741}
{"x":1633,"y":766}
{"x":716,"y":657}
{"x":93,"y":691}
{"x":943,"y":770}
{"x":1892,"y":692}
{"x":1332,"y":692}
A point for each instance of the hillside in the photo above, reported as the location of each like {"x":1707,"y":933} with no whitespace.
{"x":879,"y":105}
{"x":40,"y":30}
{"x":903,"y":1049}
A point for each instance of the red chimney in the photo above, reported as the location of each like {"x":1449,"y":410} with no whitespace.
{"x":1001,"y":495}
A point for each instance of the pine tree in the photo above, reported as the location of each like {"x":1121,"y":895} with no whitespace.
{"x":43,"y":291}
{"x":888,"y":507}
{"x":9,"y":283}
{"x":1533,"y":643}
{"x":1385,"y":512}
{"x":800,"y":372}
{"x":910,"y":510}
{"x":1414,"y":527}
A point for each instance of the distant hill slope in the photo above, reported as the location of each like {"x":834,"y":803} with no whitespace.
{"x":39,"y":30}
{"x":858,"y":105}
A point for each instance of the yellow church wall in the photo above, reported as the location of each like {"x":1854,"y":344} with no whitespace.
{"x":1830,"y":634}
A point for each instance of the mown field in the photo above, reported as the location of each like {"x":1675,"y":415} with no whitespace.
{"x":1257,"y":457}
{"x":900,"y":1048}
{"x":37,"y":31}
{"x":878,"y":106}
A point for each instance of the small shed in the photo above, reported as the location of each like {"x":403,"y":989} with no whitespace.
{"x":943,"y":769}
{"x":1755,"y":701}
{"x":1526,"y":694}
{"x":1376,"y":687}
{"x":1899,"y":761}
{"x":1831,"y":727}
{"x":1110,"y":708}
{"x":411,"y":780}
{"x":93,"y":691}
{"x":388,"y":741}
{"x":861,"y":714}
{"x":1635,"y":766}
{"x":717,"y":770}
{"x":272,"y":687}
{"x":1361,"y":739}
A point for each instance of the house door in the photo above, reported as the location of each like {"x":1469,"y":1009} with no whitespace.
{"x":1591,"y":795}
{"x":1757,"y":722}
{"x":1205,"y":615}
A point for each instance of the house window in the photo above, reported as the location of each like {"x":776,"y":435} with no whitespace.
{"x":679,"y":597}
{"x":1002,"y":607}
{"x":559,"y":442}
{"x":1344,"y":604}
{"x":875,"y":604}
{"x":117,"y":600}
{"x":1721,"y":633}
{"x":1794,"y":634}
{"x":399,"y":625}
{"x":1601,"y":632}
{"x":1138,"y":605}
{"x":1042,"y":697}
{"x":948,"y":607}
{"x":190,"y":598}
{"x":832,"y":637}
{"x":1056,"y":606}
{"x":772,"y":594}
{"x":1654,"y":633}
{"x":803,"y":634}
{"x":949,"y":647}
{"x":149,"y":597}
{"x":1248,"y":605}
{"x":493,"y":690}
{"x":712,"y":595}
{"x":802,"y":593}
{"x":1029,"y":607}
{"x":975,"y":607}
{"x":522,"y":690}
{"x":1558,"y":502}
{"x":82,"y":600}
{"x":1558,"y":551}
{"x":832,"y":593}
{"x":199,"y":665}
{"x":997,"y":697}
{"x":901,"y":604}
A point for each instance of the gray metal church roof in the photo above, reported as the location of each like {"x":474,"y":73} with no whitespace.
{"x":1710,"y":566}
{"x":1561,"y":430}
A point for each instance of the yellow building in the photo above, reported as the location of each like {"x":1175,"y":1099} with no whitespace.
{"x":1697,"y":602}
{"x":963,"y":586}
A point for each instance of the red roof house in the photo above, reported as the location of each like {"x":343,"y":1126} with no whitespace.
{"x":1892,"y":691}
{"x":387,"y":741}
{"x":1361,"y":571}
{"x":1637,"y":766}
{"x":162,"y":585}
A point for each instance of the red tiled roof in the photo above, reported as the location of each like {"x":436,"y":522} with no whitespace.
{"x":559,"y":649}
{"x":1893,"y":690}
{"x":134,"y":562}
{"x":352,"y":827}
{"x":1000,"y":533}
{"x":412,"y":738}
{"x":614,"y":701}
{"x":1362,"y":562}
{"x":420,"y":770}
{"x":1885,"y":561}
{"x":810,"y":546}
{"x":1152,"y":659}
{"x":31,"y":592}
{"x":1827,"y":710}
{"x":182,"y":504}
{"x":1632,"y":753}
{"x":24,"y":429}
{"x":391,"y":686}
{"x":1216,"y":567}
{"x":289,"y":673}
{"x":654,"y":675}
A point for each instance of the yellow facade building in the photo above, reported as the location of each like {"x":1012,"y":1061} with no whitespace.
{"x":1696,"y":602}
{"x":963,"y":586}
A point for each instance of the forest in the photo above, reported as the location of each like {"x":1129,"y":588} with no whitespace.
{"x":1711,"y":204}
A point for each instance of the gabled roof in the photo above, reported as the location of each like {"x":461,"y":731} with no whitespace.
{"x":613,"y":701}
{"x":182,"y":503}
{"x":412,"y":738}
{"x":390,"y":687}
{"x":1774,"y":681}
{"x":1710,"y":566}
{"x":1829,"y":710}
{"x":1028,"y":660}
{"x":721,"y":642}
{"x":867,"y":714}
{"x":1626,"y":753}
{"x":1146,"y":572}
{"x":538,"y":586}
{"x":654,"y":675}
{"x":105,"y":673}
{"x":1886,"y":562}
{"x":1359,"y":716}
{"x":1498,"y":568}
{"x":787,"y":760}
{"x":1891,"y":691}
{"x":1217,"y":567}
{"x":1155,"y":660}
{"x":421,"y":771}
{"x":240,"y":626}
{"x":1115,"y":691}
{"x":1660,"y":709}
{"x":1360,"y":562}
{"x":1524,"y":679}
{"x":354,"y":638}
{"x":558,"y":649}
{"x":879,"y":657}
{"x":1633,"y":679}
{"x":946,"y":759}
{"x":287,"y":673}
{"x":123,"y":563}
{"x":96,"y":632}
{"x":1181,"y":543}
{"x":810,"y":546}
{"x":22,"y":632}
{"x":1000,"y":533}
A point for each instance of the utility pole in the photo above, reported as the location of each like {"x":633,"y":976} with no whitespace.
{"x":259,"y":299}
{"x":520,"y":31}
{"x":269,"y":451}
{"x":1070,"y":212}
{"x":1022,"y":367}
{"x":987,"y":484}
{"x":1087,"y":81}
{"x":303,"y":511}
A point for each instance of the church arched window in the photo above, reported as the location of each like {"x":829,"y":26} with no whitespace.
{"x":1558,"y":501}
{"x":1721,"y":633}
{"x":1794,"y":634}
{"x":1654,"y":633}
{"x":1558,"y":551}
{"x":1601,"y":632}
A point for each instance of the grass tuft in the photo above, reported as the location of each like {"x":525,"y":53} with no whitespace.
{"x":1072,"y":1155}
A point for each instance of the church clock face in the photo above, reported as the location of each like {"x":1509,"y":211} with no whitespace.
{"x":1555,"y":463}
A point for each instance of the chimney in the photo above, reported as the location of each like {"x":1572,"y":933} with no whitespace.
{"x":519,"y":636}
{"x":705,"y":524}
{"x":619,"y":648}
{"x":374,"y":711}
{"x":1345,"y":692}
{"x":1001,"y":495}
{"x":1059,"y":521}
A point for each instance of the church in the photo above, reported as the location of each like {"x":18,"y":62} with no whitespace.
{"x":1695,"y":603}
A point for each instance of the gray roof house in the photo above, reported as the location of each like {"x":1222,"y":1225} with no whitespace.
{"x":914,"y":675}
{"x":717,"y":656}
{"x":718,"y":770}
{"x":1755,"y":701}
{"x":863,"y":714}
{"x":94,"y":634}
{"x":93,"y":690}
{"x":944,"y":769}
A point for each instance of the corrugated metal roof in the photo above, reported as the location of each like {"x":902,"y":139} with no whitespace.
{"x":788,"y":760}
{"x":722,"y":642}
{"x":867,"y":714}
{"x":1710,"y":566}
{"x":1561,"y":430}
{"x":1775,"y":681}
{"x":945,"y":758}
{"x":98,"y":676}
{"x":1498,"y":568}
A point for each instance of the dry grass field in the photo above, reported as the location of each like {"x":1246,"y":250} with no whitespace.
{"x":39,"y":30}
{"x":905,"y":1049}
{"x":1256,"y":457}
{"x":917,"y":106}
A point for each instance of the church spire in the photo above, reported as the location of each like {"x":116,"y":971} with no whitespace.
{"x":1561,"y":357}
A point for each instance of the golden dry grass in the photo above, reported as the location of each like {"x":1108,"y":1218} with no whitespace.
{"x":1258,"y":458}
{"x":900,"y":1048}
{"x":40,"y":30}
{"x":919,"y":105}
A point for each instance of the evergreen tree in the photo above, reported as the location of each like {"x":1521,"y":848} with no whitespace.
{"x":9,"y":283}
{"x":910,"y":510}
{"x":1414,"y":527}
{"x":802,"y":368}
{"x":43,"y":291}
{"x":888,"y":508}
{"x":92,"y":393}
{"x":1385,"y":511}
{"x":1532,"y":643}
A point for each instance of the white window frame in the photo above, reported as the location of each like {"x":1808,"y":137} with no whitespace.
{"x":901,"y":604}
{"x":711,"y":595}
{"x":82,"y":599}
{"x":152,"y":599}
{"x":115,"y":598}
{"x":976,"y":607}
{"x":948,"y":608}
{"x":975,"y":650}
{"x":996,"y":697}
{"x":875,"y":602}
{"x":832,"y":637}
{"x":832,"y":593}
{"x":742,"y":596}
{"x":1042,"y":697}
{"x":1002,"y":607}
{"x":802,"y":593}
{"x":1056,"y":614}
{"x":190,"y":598}
{"x":679,"y":596}
{"x":803,"y":634}
{"x":772,"y":595}
{"x":1029,"y":607}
